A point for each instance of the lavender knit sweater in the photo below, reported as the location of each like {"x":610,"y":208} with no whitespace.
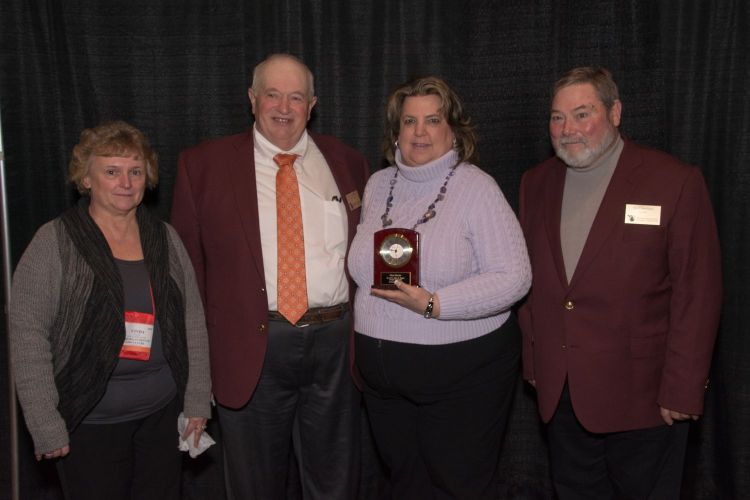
{"x":473,"y":255}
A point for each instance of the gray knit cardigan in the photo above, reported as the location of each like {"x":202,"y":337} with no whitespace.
{"x":38,"y":354}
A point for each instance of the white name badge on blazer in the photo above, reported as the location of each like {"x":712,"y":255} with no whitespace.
{"x":649,"y":215}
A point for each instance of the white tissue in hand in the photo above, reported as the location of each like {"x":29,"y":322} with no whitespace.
{"x":188,"y":444}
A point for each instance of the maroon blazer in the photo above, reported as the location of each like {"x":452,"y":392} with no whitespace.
{"x":635,"y":328}
{"x":215,"y":211}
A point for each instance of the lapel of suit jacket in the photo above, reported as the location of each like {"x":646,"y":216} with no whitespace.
{"x":242,"y":173}
{"x":553,"y":207}
{"x":611,"y":214}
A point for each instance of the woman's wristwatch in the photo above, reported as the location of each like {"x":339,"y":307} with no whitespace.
{"x":428,"y":309}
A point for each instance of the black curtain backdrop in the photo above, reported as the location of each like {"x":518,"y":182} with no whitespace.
{"x":180,"y":70}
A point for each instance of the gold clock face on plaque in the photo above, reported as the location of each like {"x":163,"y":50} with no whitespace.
{"x":396,"y":250}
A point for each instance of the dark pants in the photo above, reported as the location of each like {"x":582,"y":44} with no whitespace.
{"x":438,"y":412}
{"x":638,"y":464}
{"x":305,"y":401}
{"x":131,"y":460}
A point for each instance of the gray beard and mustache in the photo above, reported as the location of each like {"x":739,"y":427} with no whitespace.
{"x":589,"y":154}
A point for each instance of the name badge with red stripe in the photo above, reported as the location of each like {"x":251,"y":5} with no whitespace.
{"x":139,"y":333}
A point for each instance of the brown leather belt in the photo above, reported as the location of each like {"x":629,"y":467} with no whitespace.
{"x":316,"y":315}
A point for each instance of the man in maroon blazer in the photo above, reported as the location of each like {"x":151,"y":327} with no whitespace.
{"x":620,"y":322}
{"x":281,"y":384}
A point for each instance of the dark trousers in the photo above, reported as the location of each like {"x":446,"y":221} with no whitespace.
{"x":305,"y":401}
{"x":438,"y":412}
{"x":134,"y":460}
{"x":638,"y":464}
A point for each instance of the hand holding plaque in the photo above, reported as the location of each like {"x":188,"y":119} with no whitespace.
{"x":396,"y":257}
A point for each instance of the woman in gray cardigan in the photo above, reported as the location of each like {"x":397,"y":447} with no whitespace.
{"x":108,"y":339}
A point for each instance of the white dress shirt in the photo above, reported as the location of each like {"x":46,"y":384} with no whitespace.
{"x":323,"y":219}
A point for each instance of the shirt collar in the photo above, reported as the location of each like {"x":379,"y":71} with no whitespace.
{"x":267,"y":148}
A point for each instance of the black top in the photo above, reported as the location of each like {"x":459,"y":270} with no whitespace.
{"x":136,"y":388}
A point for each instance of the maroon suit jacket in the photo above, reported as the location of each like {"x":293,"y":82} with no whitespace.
{"x":635,"y":328}
{"x":215,"y":211}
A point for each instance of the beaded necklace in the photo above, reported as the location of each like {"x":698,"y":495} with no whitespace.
{"x":430,"y":213}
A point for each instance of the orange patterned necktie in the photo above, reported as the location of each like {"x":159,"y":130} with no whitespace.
{"x":291,"y":283}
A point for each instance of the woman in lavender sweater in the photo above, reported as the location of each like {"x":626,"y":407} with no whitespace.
{"x":439,"y":361}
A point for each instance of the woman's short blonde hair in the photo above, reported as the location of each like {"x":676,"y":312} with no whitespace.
{"x":450,"y":106}
{"x":115,"y":138}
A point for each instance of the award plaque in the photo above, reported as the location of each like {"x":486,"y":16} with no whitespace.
{"x":396,"y":257}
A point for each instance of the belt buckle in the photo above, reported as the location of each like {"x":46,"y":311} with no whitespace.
{"x":331,"y":313}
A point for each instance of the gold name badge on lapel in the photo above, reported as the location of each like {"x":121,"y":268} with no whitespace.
{"x":649,"y":215}
{"x":353,"y":200}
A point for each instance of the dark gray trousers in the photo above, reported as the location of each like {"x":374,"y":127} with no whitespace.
{"x":643,"y":464}
{"x":305,"y":401}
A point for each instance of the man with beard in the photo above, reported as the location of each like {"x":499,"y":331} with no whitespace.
{"x":620,"y":322}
